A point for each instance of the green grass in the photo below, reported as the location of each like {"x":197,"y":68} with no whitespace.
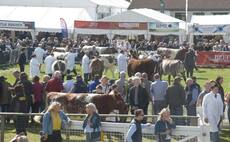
{"x":203,"y":74}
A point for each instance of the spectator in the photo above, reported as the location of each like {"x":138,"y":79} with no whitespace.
{"x":69,"y":84}
{"x":49,"y":60}
{"x":175,"y":98}
{"x":53,"y":121}
{"x":55,"y":84}
{"x":134,"y":133}
{"x":192,"y":93}
{"x":92,"y":86}
{"x":37,"y":95}
{"x":34,"y":67}
{"x":158,"y":91}
{"x":79,"y":86}
{"x":22,"y":60}
{"x":86,"y":67}
{"x":213,"y":112}
{"x":164,"y":126}
{"x":104,"y":84}
{"x":92,"y":124}
{"x":219,"y":82}
{"x":207,"y":87}
{"x":5,"y":95}
{"x":20,"y":105}
{"x":138,"y":97}
{"x":146,"y":83}
{"x":122,"y":62}
{"x":196,"y":84}
{"x":122,"y":85}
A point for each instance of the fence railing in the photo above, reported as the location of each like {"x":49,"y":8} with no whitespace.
{"x":113,"y":131}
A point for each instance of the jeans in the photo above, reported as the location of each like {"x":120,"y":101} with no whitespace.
{"x":229,"y":113}
{"x":90,"y":139}
{"x":158,"y":106}
{"x":86,"y":77}
{"x":214,"y":136}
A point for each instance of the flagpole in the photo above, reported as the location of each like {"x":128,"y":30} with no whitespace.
{"x":186,"y":15}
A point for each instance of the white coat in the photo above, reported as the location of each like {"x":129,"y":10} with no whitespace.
{"x":40,"y":53}
{"x":49,"y":60}
{"x":85,"y":64}
{"x":70,"y":61}
{"x":34,"y":68}
{"x":213,"y":110}
{"x":122,"y":63}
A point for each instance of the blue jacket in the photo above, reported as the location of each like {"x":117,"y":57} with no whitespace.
{"x":161,"y":127}
{"x":47,"y":125}
{"x":92,"y":86}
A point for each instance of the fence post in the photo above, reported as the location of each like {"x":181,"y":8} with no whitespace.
{"x":2,"y":127}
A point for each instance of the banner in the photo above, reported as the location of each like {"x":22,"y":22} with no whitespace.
{"x":214,"y":59}
{"x":64,"y":29}
{"x":164,"y":27}
{"x":16,"y":25}
{"x":207,"y":29}
{"x":92,"y":25}
{"x":129,"y":26}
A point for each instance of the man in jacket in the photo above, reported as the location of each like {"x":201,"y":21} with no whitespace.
{"x":139,"y":98}
{"x":175,"y":98}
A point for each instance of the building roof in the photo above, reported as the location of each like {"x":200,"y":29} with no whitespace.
{"x":179,"y":5}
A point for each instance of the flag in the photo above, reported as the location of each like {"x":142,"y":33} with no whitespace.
{"x":64,"y":29}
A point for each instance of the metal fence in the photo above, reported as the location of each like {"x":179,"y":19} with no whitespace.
{"x":112,"y":131}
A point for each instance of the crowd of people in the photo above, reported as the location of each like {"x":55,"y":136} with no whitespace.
{"x":28,"y":92}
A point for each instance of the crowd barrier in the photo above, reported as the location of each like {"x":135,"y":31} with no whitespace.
{"x":213,"y":59}
{"x":112,"y":131}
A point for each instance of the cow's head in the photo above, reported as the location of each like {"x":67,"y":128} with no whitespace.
{"x":120,"y":103}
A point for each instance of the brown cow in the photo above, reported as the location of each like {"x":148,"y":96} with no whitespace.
{"x":75,"y":103}
{"x":147,"y":65}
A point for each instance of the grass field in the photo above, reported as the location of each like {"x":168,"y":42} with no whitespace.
{"x":203,"y":74}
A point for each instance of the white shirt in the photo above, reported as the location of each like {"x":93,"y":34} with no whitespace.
{"x":68,"y":85}
{"x":49,"y":60}
{"x":70,"y":60}
{"x":122,"y":62}
{"x":212,"y":109}
{"x":39,"y":52}
{"x":85,"y":64}
{"x":34,"y":68}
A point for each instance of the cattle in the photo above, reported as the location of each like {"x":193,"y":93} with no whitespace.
{"x":75,"y":103}
{"x":59,"y":65}
{"x":177,"y":54}
{"x":100,"y":50}
{"x":147,"y":65}
{"x":172,"y":67}
{"x":97,"y":67}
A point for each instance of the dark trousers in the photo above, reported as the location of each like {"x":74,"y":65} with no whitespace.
{"x":177,"y":110}
{"x":55,"y":137}
{"x":189,"y":73}
{"x":86,"y":77}
{"x":35,"y":109}
{"x":214,"y":136}
{"x":21,"y":124}
{"x":158,"y":106}
{"x":22,"y":67}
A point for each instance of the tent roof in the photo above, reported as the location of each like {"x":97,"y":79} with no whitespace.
{"x":211,"y":20}
{"x":66,"y":3}
{"x":45,"y":18}
{"x":143,"y":15}
{"x":112,"y":3}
